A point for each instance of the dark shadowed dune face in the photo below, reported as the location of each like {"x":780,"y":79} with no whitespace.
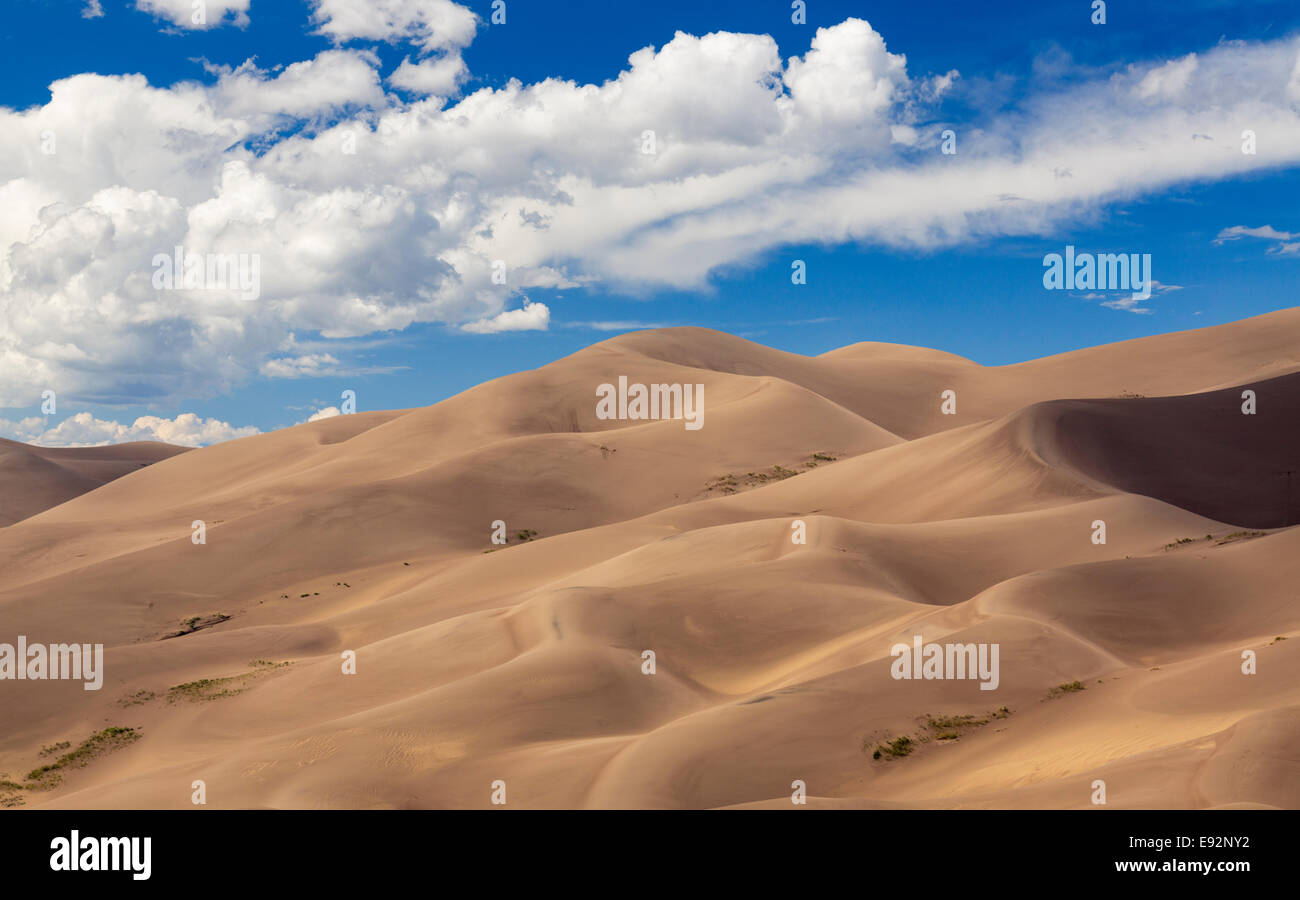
{"x":1200,"y":452}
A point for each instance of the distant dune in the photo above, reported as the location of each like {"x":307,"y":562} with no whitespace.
{"x":33,"y":479}
{"x":1120,"y":662}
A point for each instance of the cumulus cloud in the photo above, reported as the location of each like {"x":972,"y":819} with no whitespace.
{"x":370,"y":212}
{"x":432,"y":24}
{"x":439,"y":77}
{"x":92,"y":10}
{"x":328,"y":412}
{"x":334,"y":80}
{"x":532,"y":317}
{"x":186,"y":14}
{"x":84,"y":430}
{"x":27,"y":430}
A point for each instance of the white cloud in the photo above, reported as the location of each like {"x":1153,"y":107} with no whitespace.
{"x":1168,"y":80}
{"x":310,"y":365}
{"x":437,"y":77}
{"x":532,"y":317}
{"x":26,"y":430}
{"x":847,"y":80}
{"x":333,"y":80}
{"x":1286,"y":243}
{"x":1267,"y":232}
{"x":92,"y":10}
{"x":378,"y":213}
{"x":84,"y":430}
{"x":1129,"y":303}
{"x":615,"y":326}
{"x":328,"y":412}
{"x":432,"y":24}
{"x":186,"y":14}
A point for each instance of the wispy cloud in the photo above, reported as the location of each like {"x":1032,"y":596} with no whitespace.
{"x":616,"y":326}
{"x":1127,"y":302}
{"x":1284,"y":242}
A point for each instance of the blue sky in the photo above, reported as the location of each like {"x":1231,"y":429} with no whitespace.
{"x":969,"y":282}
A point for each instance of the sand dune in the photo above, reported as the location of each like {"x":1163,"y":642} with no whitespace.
{"x":34,"y":479}
{"x":1120,"y":661}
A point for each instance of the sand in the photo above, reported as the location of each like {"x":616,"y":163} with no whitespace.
{"x":478,"y":663}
